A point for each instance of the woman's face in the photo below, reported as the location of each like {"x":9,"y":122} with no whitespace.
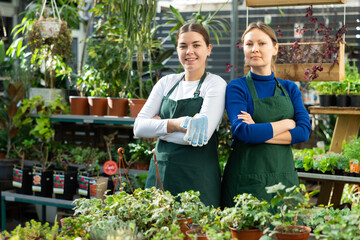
{"x":258,"y":51}
{"x":192,"y":51}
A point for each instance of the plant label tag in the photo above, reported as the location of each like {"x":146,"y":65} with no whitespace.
{"x":36,"y":186}
{"x":59,"y":179}
{"x":17,"y":177}
{"x":354,"y":166}
{"x":83,"y":185}
{"x":110,"y":167}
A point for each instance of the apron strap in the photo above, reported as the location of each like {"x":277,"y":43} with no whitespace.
{"x":197,"y":91}
{"x":252,"y":89}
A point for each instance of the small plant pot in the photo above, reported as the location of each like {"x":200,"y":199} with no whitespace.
{"x":22,"y":180}
{"x":198,"y":232}
{"x":43,"y":183}
{"x":183,"y":224}
{"x":117,"y":106}
{"x":302,"y":233}
{"x":251,"y":234}
{"x":141,"y":165}
{"x":135,"y":106}
{"x":67,"y":190}
{"x":355,"y":100}
{"x":342,"y":100}
{"x":79,"y":105}
{"x":97,"y":106}
{"x":327,"y":100}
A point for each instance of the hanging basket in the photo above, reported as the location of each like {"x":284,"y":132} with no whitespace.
{"x":50,"y":28}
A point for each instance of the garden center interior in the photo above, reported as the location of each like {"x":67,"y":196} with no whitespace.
{"x":74,"y":75}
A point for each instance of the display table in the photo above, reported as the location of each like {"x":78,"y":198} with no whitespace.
{"x":92,"y":119}
{"x":347,"y":125}
{"x":11,"y":196}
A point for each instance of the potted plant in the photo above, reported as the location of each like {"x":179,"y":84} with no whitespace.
{"x":292,"y":208}
{"x":141,"y":153}
{"x":342,"y":94}
{"x":248,"y":218}
{"x":43,"y":142}
{"x":326,"y":91}
{"x":352,"y":77}
{"x":91,"y":184}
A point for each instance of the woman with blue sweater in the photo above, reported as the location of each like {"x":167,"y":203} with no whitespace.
{"x":267,"y":114}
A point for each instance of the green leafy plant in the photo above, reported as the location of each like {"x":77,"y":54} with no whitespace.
{"x":32,"y":230}
{"x":90,"y":157}
{"x":248,"y":213}
{"x":141,"y":151}
{"x":304,"y":158}
{"x":42,"y":130}
{"x":291,"y":204}
{"x":328,"y":162}
{"x":351,"y":149}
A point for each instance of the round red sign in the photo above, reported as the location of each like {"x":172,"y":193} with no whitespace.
{"x":110,"y":167}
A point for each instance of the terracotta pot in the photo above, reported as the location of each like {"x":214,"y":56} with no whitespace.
{"x":289,"y":235}
{"x":79,"y":105}
{"x":135,"y":106}
{"x":117,"y":106}
{"x":251,"y":234}
{"x":183,"y":222}
{"x":200,"y":235}
{"x":97,"y":106}
{"x":141,"y":165}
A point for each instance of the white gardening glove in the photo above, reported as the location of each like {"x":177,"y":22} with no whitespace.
{"x":196,"y":130}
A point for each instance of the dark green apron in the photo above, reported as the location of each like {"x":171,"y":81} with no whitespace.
{"x":252,"y":167}
{"x":183,"y":167}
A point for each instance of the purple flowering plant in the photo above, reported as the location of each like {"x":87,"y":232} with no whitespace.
{"x":320,"y":47}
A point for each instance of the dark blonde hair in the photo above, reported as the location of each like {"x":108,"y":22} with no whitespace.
{"x":194,"y":27}
{"x":266,"y":29}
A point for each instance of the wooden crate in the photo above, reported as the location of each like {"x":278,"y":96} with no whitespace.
{"x":276,"y":3}
{"x":296,"y":72}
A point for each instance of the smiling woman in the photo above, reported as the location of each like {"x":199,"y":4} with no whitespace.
{"x":186,"y":149}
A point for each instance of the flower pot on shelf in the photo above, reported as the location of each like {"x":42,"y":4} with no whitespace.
{"x":135,"y":106}
{"x":22,"y":180}
{"x":42,"y":184}
{"x":302,"y":232}
{"x":6,"y":172}
{"x":276,"y":3}
{"x":251,"y":234}
{"x":79,"y":105}
{"x":97,"y":106}
{"x":117,"y":106}
{"x":342,"y":100}
{"x":141,"y":165}
{"x":65,"y":184}
{"x":355,"y":100}
{"x":327,"y":100}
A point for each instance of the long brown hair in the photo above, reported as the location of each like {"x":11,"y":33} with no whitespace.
{"x":266,"y":29}
{"x":194,"y":27}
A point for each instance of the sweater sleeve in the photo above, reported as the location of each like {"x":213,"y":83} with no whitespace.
{"x":237,"y":100}
{"x":145,"y":125}
{"x":302,"y":130}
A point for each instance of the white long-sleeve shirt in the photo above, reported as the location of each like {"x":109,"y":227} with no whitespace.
{"x":212,"y":91}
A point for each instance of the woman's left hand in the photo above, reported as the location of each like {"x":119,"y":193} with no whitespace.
{"x":156,"y":117}
{"x":246,"y":117}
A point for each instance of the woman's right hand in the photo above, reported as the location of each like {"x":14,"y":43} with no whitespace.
{"x":282,"y":126}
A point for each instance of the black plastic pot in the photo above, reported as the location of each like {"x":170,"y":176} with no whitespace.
{"x":70,"y":184}
{"x":26,"y":185}
{"x":46,"y":184}
{"x":327,"y":100}
{"x":355,"y":100}
{"x":342,"y":100}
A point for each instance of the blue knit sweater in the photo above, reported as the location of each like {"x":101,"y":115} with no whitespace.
{"x":238,"y":99}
